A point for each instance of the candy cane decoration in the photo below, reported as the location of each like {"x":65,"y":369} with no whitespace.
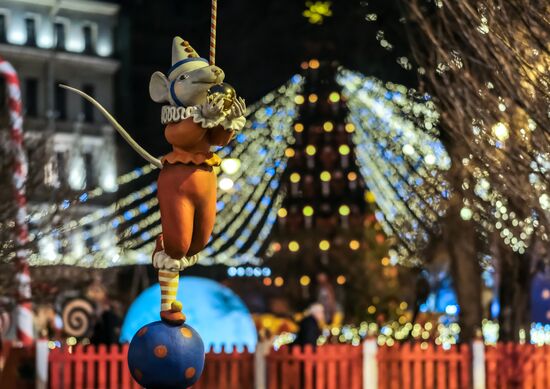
{"x":213,"y":32}
{"x":23,"y":312}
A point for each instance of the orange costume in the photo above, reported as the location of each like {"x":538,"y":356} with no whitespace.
{"x":187,"y":186}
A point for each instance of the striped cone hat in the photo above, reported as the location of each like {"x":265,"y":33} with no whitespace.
{"x":184,"y":59}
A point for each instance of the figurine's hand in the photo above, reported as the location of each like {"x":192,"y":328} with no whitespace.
{"x":238,"y":109}
{"x":213,"y":109}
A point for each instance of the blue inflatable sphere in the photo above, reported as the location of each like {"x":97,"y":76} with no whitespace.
{"x":163,"y":356}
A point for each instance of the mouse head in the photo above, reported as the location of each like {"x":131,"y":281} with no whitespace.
{"x":187,"y":81}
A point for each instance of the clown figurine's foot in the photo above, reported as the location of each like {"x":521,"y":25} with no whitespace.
{"x":174,"y":315}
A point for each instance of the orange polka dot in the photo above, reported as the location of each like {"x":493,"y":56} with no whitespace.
{"x":138,"y":374}
{"x":142,"y":331}
{"x":186,"y":332}
{"x":160,"y":351}
{"x":189,"y":372}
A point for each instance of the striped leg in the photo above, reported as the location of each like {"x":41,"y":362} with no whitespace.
{"x":168,"y":288}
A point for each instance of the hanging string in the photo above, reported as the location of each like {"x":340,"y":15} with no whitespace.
{"x":213,"y":32}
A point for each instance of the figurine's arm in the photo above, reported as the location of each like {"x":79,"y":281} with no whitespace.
{"x":218,"y":136}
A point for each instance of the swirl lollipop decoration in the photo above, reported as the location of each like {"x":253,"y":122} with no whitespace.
{"x":77,"y":317}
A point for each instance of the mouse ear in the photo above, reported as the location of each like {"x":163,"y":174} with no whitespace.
{"x":158,"y":88}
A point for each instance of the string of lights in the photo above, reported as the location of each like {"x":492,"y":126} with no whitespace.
{"x":399,"y":156}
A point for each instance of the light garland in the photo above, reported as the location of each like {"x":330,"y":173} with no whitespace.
{"x":399,"y":156}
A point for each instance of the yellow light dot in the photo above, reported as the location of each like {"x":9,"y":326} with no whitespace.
{"x":298,"y":127}
{"x":314,"y":64}
{"x":344,"y":149}
{"x":295,"y":178}
{"x":352,"y":176}
{"x":325,"y":176}
{"x":299,"y":99}
{"x":354,"y":244}
{"x":334,"y":97}
{"x":282,"y":212}
{"x":294,"y":246}
{"x":341,"y":280}
{"x":385,"y":261}
{"x":308,"y":210}
{"x":350,"y":127}
{"x":311,"y":150}
{"x":290,"y":152}
{"x":305,"y":280}
{"x":324,"y":245}
{"x":370,"y":197}
{"x":328,"y":126}
{"x":344,"y":210}
{"x":371,"y":309}
{"x":313,"y":98}
{"x":403,"y":305}
{"x":279,"y":281}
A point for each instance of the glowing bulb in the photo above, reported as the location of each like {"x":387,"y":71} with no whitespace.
{"x":408,"y":149}
{"x":325,"y":176}
{"x":231,"y":165}
{"x":290,"y":152}
{"x":334,"y":97}
{"x":344,"y":210}
{"x":299,"y":99}
{"x":267,"y":281}
{"x":354,"y":244}
{"x":298,"y":127}
{"x":352,"y":176}
{"x":385,"y":261}
{"x":430,"y":159}
{"x":370,"y":197}
{"x":293,"y":246}
{"x":324,"y":245}
{"x":282,"y":212}
{"x":313,"y":98}
{"x":314,"y":64}
{"x":344,"y":149}
{"x":466,"y":213}
{"x":311,"y":150}
{"x":305,"y":280}
{"x":226,"y":183}
{"x":279,"y":281}
{"x":341,"y":280}
{"x":304,"y":65}
{"x":501,"y":132}
{"x":295,"y":178}
{"x":328,"y":126}
{"x":350,"y":127}
{"x":308,"y":210}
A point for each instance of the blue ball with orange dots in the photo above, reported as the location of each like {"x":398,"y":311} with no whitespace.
{"x":165,"y":356}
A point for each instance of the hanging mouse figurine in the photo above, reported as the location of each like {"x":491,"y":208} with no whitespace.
{"x":200,"y":112}
{"x":195,"y":121}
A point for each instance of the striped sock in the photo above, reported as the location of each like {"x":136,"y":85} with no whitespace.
{"x":168,"y":288}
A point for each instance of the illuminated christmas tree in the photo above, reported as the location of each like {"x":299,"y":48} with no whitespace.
{"x":327,"y":244}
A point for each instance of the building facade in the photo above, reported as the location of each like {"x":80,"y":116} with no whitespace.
{"x":71,"y":148}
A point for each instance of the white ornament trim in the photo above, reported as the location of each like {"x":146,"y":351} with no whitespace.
{"x":163,"y":261}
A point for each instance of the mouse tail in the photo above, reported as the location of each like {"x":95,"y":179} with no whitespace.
{"x":140,"y":150}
